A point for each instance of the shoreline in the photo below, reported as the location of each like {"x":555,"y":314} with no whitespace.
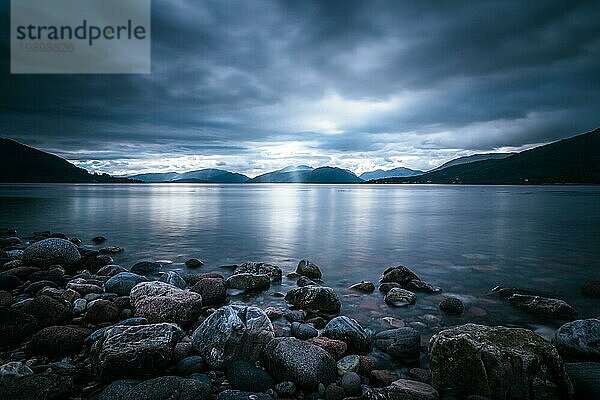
{"x":75,"y":325}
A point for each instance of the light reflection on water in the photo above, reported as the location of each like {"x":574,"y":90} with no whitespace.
{"x":466,"y":239}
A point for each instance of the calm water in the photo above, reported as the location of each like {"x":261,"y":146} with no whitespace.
{"x":465,"y":239}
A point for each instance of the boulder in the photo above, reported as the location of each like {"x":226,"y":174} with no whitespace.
{"x":308,"y":269}
{"x":146,"y":268}
{"x":117,"y":389}
{"x":398,"y":297}
{"x":336,"y":348}
{"x":189,"y":365}
{"x":99,"y":311}
{"x":403,"y":344}
{"x":579,"y":340}
{"x":14,"y":370}
{"x":46,"y":386}
{"x":497,"y":362}
{"x":134,"y":351}
{"x":85,"y":288}
{"x":452,"y":305}
{"x":173,"y":278}
{"x":543,"y":306}
{"x":110,"y":270}
{"x":170,"y":388}
{"x":350,"y":332}
{"x":57,"y":341}
{"x":245,"y":376}
{"x":386,"y":287}
{"x":303,"y":331}
{"x":351,"y":383}
{"x":51,"y":251}
{"x":349,"y":363}
{"x":255,"y":268}
{"x":314,"y":298}
{"x":417,"y":285}
{"x":15,"y":326}
{"x":161,"y":302}
{"x":48,"y":311}
{"x":212,"y":290}
{"x":193,"y":263}
{"x":122,"y":283}
{"x":233,"y":333}
{"x":400,"y":275}
{"x":364,"y":286}
{"x":307,"y":365}
{"x":244,"y":281}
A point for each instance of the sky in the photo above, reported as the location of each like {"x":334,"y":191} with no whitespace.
{"x":254,"y":86}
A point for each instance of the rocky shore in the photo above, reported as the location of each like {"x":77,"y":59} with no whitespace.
{"x":74,"y":325}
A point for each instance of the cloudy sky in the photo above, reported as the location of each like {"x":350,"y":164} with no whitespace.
{"x":252,"y":86}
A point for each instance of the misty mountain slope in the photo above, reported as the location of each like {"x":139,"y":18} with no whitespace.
{"x":392,"y":173}
{"x":473,"y":158}
{"x":572,"y":160}
{"x":21,"y":163}
{"x":208,"y":175}
{"x":317,"y":175}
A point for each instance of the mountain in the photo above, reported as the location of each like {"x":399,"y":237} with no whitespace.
{"x":391,"y":173}
{"x":473,"y":158}
{"x":317,"y":175}
{"x":20,"y":163}
{"x":208,"y":175}
{"x":572,"y":160}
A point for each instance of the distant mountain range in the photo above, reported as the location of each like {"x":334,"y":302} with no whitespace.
{"x":305,"y":174}
{"x":391,"y":173}
{"x":208,"y":175}
{"x":572,"y":160}
{"x":20,"y":163}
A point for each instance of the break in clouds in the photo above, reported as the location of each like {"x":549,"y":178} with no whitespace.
{"x":252,"y":86}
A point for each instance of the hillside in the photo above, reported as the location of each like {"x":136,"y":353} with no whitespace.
{"x":391,"y":173}
{"x":317,"y":175}
{"x":473,"y":158}
{"x":208,"y":175}
{"x":572,"y":160}
{"x":20,"y":164}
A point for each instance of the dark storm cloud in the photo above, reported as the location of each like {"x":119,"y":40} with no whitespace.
{"x":256,"y":85}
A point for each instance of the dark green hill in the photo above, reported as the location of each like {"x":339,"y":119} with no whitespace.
{"x":20,"y":164}
{"x":317,"y":175}
{"x":572,"y":160}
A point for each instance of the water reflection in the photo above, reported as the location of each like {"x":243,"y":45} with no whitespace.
{"x":464,"y":239}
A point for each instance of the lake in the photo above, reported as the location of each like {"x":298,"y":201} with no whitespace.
{"x":465,"y":239}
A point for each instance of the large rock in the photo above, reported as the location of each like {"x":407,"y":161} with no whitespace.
{"x":117,"y":389}
{"x":255,"y":268}
{"x":46,"y":386}
{"x":51,"y":251}
{"x":15,"y":326}
{"x":586,"y":379}
{"x":212,"y":290}
{"x":245,"y":376}
{"x":497,"y":362}
{"x":579,"y":340}
{"x":308,"y":269}
{"x":245,"y":281}
{"x":403,"y":344}
{"x":307,"y":365}
{"x":170,"y":388}
{"x":161,"y":302}
{"x":173,"y":278}
{"x":99,"y":311}
{"x":146,"y":268}
{"x":233,"y":333}
{"x":404,"y":389}
{"x":543,"y":306}
{"x":314,"y":298}
{"x":134,"y":351}
{"x":123,"y":282}
{"x":398,"y":297}
{"x":48,"y":311}
{"x":349,"y":331}
{"x":400,"y":275}
{"x":14,"y":370}
{"x":57,"y":341}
